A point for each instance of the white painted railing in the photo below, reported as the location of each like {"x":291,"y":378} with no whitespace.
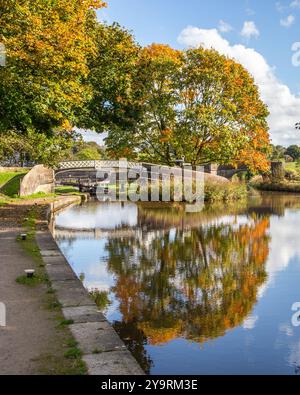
{"x":96,"y":164}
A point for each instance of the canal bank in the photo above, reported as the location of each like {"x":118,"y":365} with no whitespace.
{"x":31,"y":337}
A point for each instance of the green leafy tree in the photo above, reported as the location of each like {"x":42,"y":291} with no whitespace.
{"x":110,"y":79}
{"x":88,"y":153}
{"x":82,"y":150}
{"x":20,"y":148}
{"x":294,"y":152}
{"x":278,"y":152}
{"x":42,"y":87}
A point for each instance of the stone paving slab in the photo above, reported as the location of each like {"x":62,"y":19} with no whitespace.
{"x":112,"y":363}
{"x":46,"y":243}
{"x":71,"y":294}
{"x":97,"y":337}
{"x":49,"y":253}
{"x":60,"y":272}
{"x":54,"y":260}
{"x":83,"y":314}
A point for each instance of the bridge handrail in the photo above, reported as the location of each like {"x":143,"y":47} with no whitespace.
{"x":94,"y":164}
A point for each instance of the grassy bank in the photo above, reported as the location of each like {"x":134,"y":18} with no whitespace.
{"x":278,"y":186}
{"x":217,"y":192}
{"x":213,"y":191}
{"x":290,"y":181}
{"x":10,"y":185}
{"x":10,"y":182}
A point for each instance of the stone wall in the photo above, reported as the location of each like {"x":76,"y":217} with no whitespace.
{"x":39,"y":179}
{"x":223,"y":170}
{"x":211,"y":168}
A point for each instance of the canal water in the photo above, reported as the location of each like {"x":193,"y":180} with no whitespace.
{"x":200,"y":293}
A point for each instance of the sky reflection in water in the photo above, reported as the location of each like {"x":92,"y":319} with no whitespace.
{"x":207,"y":293}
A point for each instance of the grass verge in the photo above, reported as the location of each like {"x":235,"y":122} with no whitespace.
{"x":10,"y":182}
{"x":282,"y":186}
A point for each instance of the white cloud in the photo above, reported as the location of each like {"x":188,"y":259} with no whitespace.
{"x":295,"y":4}
{"x":250,"y":12}
{"x":250,"y":30}
{"x":288,"y":21}
{"x":250,"y":322}
{"x":280,"y":7}
{"x":224,"y":27}
{"x":284,"y":107}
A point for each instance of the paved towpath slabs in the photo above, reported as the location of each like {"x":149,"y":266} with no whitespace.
{"x":103,"y":351}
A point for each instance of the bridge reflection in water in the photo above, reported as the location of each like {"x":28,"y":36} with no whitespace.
{"x":177,"y":280}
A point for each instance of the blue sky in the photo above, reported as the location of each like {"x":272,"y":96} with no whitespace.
{"x":258,"y":33}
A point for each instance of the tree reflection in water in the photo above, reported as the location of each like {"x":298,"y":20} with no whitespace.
{"x":193,"y":284}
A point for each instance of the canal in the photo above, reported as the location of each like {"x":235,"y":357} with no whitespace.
{"x":199,"y":293}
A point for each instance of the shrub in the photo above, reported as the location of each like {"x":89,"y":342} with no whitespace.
{"x":214,"y":190}
{"x":225,"y":191}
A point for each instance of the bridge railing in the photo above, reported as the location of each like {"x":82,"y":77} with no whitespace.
{"x":95,"y":164}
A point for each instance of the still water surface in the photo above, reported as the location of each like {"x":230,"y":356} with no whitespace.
{"x":207,"y":293}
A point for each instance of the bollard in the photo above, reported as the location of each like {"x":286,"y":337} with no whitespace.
{"x":29,"y":273}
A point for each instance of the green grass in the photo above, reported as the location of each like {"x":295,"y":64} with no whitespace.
{"x":290,"y":166}
{"x":10,"y":186}
{"x":62,"y":190}
{"x":101,"y":298}
{"x":65,"y":323}
{"x":217,"y":192}
{"x":4,"y":200}
{"x":10,"y":182}
{"x":73,"y":353}
{"x":283,"y":186}
{"x":7,"y":176}
{"x":38,"y":195}
{"x":31,"y":282}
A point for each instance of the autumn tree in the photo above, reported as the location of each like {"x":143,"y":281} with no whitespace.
{"x":150,"y":108}
{"x":48,"y":44}
{"x":198,"y":104}
{"x":222,"y":113}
